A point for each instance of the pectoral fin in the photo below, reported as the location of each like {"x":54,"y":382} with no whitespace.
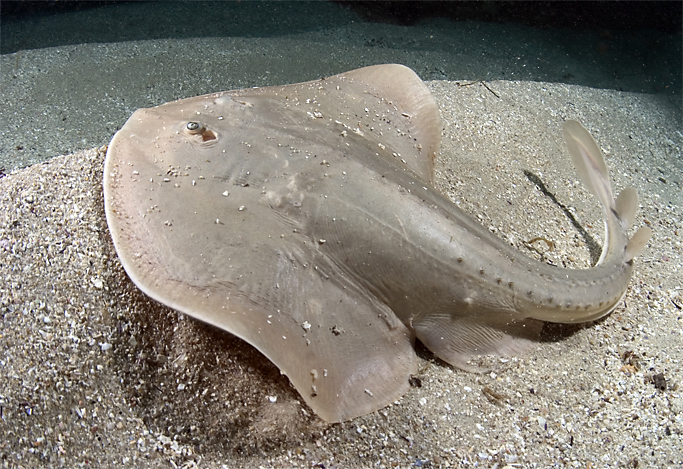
{"x":457,"y":339}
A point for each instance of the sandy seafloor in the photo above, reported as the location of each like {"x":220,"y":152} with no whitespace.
{"x":94,"y":374}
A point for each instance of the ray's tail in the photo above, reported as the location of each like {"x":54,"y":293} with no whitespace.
{"x":510,"y":321}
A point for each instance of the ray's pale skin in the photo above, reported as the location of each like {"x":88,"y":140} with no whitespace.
{"x":302,"y":218}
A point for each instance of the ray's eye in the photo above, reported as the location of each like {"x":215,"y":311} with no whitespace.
{"x":195,"y":128}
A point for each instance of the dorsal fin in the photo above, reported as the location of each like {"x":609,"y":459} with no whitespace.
{"x":627,"y":205}
{"x":637,"y":242}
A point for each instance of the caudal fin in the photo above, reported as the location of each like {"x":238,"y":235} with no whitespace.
{"x":590,"y":165}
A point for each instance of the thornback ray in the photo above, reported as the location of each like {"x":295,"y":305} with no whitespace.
{"x":302,"y":218}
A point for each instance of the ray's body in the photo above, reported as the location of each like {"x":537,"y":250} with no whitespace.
{"x":302,"y":218}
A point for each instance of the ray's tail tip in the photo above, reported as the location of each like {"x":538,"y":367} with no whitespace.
{"x":590,"y":164}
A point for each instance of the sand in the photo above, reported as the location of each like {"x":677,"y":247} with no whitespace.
{"x":94,"y":374}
